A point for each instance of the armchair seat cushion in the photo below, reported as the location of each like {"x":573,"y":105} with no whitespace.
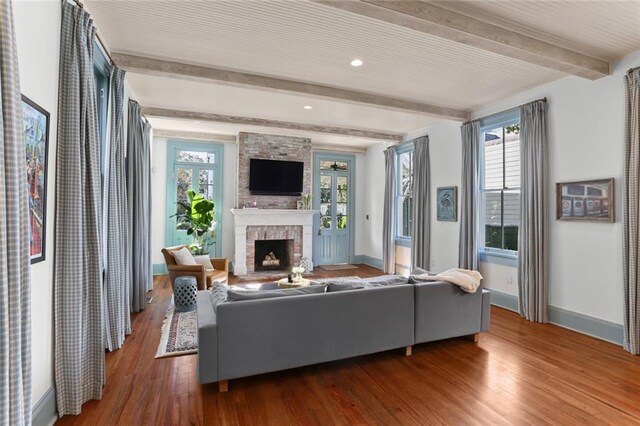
{"x":216,"y":275}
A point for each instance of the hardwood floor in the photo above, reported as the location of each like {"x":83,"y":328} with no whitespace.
{"x":518,"y":373}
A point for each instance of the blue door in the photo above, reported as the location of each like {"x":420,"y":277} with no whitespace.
{"x":333,"y":196}
{"x":196,"y":166}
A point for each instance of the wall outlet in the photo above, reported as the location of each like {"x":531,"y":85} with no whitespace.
{"x":509,"y":280}
{"x":433,"y":263}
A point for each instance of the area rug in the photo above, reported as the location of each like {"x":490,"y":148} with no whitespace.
{"x":337,"y":267}
{"x":179,"y":333}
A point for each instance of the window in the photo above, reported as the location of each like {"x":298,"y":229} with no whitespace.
{"x":404,"y":188}
{"x":102,"y":73}
{"x":500,"y":185}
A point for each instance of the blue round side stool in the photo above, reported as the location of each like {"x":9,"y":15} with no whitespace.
{"x":184,"y":293}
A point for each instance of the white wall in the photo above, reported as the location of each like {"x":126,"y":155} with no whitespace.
{"x":369,"y":239}
{"x":159,"y":197}
{"x":585,"y":130}
{"x":37,"y":26}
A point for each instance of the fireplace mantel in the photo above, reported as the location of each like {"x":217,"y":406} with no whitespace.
{"x":269,"y":217}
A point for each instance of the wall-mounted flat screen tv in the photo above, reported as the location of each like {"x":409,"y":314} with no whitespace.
{"x":275,"y":177}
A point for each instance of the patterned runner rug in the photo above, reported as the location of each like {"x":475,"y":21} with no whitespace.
{"x":179,"y":334}
{"x":180,"y":329}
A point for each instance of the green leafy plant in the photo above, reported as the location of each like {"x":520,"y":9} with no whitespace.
{"x":197,"y":217}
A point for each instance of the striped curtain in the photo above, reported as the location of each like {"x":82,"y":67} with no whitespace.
{"x":631,"y":214}
{"x":468,"y":244}
{"x":532,"y":235}
{"x":388,"y":237}
{"x":139,"y":203}
{"x":117,"y":277}
{"x":15,"y":279}
{"x":421,"y":210}
{"x":79,"y":350}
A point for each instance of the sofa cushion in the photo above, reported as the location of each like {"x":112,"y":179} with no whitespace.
{"x":203,"y":259}
{"x":218,"y":294}
{"x":344,"y":285}
{"x":184,"y":257}
{"x":240,"y":295}
{"x":385,"y":280}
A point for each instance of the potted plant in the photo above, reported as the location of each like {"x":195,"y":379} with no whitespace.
{"x":197,"y":217}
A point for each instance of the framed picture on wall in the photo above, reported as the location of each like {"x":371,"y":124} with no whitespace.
{"x":35,"y":126}
{"x":589,"y":200}
{"x":447,"y":203}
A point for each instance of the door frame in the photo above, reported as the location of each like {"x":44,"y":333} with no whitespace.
{"x":218,"y":149}
{"x":351,"y":170}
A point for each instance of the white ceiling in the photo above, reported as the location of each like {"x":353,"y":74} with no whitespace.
{"x":303,"y":41}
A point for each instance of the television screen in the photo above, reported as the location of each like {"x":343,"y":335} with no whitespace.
{"x":275,"y":177}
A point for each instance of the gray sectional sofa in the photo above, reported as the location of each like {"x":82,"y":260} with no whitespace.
{"x":244,"y":338}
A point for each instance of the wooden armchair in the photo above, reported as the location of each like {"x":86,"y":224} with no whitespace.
{"x":204,"y":278}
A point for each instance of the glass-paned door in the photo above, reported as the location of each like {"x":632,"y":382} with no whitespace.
{"x":333,"y":197}
{"x":199,"y":167}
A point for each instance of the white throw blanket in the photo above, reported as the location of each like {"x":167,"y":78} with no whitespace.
{"x":467,"y":280}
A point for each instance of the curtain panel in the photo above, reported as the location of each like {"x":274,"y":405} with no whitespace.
{"x":421,"y":223}
{"x":388,"y":224}
{"x":117,"y":320}
{"x":631,"y":214}
{"x":79,"y":350}
{"x":15,"y":279}
{"x":139,"y":204}
{"x":469,"y":189}
{"x":533,"y":234}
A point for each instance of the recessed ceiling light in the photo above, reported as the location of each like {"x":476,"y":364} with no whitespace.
{"x":356,"y":62}
{"x":196,"y":121}
{"x":307,"y":107}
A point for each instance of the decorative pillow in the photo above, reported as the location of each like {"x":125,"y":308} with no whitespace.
{"x":218,"y":294}
{"x":240,"y":295}
{"x":184,"y":257}
{"x":419,"y":271}
{"x":203,"y":259}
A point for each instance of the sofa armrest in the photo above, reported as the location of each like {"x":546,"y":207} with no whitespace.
{"x":443,"y":310}
{"x":220,"y":263}
{"x":207,"y":339}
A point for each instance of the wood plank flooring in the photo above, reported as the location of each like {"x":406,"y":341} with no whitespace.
{"x":518,"y":373}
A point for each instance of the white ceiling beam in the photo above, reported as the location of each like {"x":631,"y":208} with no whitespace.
{"x":434,"y":20}
{"x":163,"y":68}
{"x":198,"y":136}
{"x":251,"y":121}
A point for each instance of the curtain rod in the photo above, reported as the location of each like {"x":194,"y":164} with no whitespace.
{"x":104,"y":46}
{"x":506,"y":110}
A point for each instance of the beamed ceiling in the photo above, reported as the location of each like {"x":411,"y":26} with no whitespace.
{"x":313,"y":42}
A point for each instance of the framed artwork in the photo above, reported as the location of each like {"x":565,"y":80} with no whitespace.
{"x":447,"y":203}
{"x":589,"y":200}
{"x":35,"y":125}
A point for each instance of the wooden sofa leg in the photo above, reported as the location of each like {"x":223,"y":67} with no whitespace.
{"x":223,"y":385}
{"x":475,"y":338}
{"x":408,"y":350}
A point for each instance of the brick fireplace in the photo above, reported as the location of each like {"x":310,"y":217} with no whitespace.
{"x":253,"y":225}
